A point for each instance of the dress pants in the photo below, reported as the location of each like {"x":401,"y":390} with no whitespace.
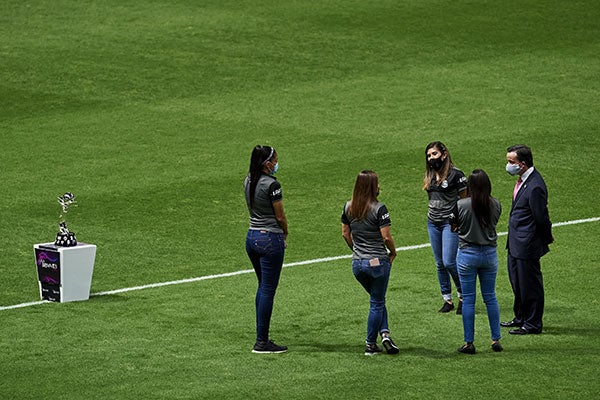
{"x":528,"y":287}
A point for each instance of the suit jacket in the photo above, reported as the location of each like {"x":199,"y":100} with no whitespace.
{"x":529,"y":226}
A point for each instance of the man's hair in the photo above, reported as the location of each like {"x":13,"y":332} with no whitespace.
{"x":523,"y":154}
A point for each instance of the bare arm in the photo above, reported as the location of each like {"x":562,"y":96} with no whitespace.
{"x":386,"y":234}
{"x":280,"y":217}
{"x":347,"y":234}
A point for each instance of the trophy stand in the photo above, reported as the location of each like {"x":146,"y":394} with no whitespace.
{"x":65,"y":267}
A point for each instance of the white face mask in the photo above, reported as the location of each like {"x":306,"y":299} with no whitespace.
{"x":513,"y":169}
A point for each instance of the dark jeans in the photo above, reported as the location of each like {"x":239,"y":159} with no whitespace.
{"x":266,"y":251}
{"x":375,"y":281}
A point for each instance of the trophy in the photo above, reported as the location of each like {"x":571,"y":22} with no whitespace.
{"x":64,"y":238}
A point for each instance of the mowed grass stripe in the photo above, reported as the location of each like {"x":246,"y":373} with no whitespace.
{"x":247,"y":271}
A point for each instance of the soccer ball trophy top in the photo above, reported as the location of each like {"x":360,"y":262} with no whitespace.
{"x":64,"y":237}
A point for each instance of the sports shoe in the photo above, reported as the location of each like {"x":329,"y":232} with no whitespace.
{"x":459,"y":308}
{"x":372,"y":350}
{"x":268,"y":347}
{"x":497,"y":347}
{"x":468,"y":348}
{"x":389,"y":345}
{"x":447,"y":307}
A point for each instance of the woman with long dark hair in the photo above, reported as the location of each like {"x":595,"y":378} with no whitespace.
{"x":366,"y":229}
{"x":444,"y":184}
{"x":266,"y":239}
{"x":477,"y":217}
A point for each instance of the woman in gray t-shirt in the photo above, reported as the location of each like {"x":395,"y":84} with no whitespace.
{"x":477,"y":217}
{"x":366,"y":229}
{"x":266,"y":239}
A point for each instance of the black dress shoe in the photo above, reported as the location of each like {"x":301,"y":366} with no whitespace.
{"x":510,"y":324}
{"x":524,"y":331}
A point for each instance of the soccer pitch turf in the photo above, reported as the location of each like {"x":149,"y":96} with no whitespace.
{"x":148,"y":111}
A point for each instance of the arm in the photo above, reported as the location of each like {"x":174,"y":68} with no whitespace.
{"x":388,"y":240}
{"x":280,"y":217}
{"x":347,"y":234}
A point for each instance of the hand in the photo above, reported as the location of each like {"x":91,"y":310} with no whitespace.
{"x":392,"y":257}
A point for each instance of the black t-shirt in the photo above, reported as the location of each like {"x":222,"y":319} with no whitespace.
{"x":443,"y":197}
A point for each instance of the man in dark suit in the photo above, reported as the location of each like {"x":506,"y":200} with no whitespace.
{"x":529,"y":234}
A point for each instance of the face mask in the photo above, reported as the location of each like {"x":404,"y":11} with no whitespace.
{"x":513,"y":169}
{"x":436,"y":163}
{"x":275,"y":168}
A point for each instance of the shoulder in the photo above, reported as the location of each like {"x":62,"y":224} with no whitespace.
{"x":456,"y":175}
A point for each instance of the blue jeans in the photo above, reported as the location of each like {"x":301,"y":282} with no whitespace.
{"x":375,"y":281}
{"x":444,"y":244}
{"x":479,"y":261}
{"x":266,"y":251}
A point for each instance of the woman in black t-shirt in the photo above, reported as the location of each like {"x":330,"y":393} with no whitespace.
{"x":444,"y":184}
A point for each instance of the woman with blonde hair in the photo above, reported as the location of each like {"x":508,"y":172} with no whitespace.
{"x":366,"y":229}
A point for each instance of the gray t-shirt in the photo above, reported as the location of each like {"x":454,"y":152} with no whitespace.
{"x":366,"y":234}
{"x":262,"y":215}
{"x":469,"y":230}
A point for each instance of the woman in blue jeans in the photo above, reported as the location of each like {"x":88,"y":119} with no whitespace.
{"x":366,"y":229}
{"x":444,"y":184}
{"x":477,"y":217}
{"x":266,"y":239}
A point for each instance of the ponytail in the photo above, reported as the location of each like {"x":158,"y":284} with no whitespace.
{"x":260,"y":155}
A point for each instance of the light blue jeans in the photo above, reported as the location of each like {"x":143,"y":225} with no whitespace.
{"x":482,"y":262}
{"x":375,"y":281}
{"x":444,"y":244}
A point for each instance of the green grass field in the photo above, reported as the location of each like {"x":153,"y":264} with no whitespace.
{"x":148,"y":111}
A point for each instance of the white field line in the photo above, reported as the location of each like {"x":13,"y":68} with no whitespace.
{"x":248,"y":271}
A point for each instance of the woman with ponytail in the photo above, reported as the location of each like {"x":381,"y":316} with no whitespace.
{"x":266,"y":239}
{"x":477,"y":217}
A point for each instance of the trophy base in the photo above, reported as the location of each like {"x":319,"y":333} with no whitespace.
{"x":65,"y":239}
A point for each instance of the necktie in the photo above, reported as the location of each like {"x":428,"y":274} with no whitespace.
{"x":517,"y":186}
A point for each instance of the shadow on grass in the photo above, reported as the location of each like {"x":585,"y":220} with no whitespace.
{"x":313,"y":347}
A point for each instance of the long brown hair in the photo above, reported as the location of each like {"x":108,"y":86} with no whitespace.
{"x":480,"y":189}
{"x":430,"y":173}
{"x":260,"y":155}
{"x":365,"y":193}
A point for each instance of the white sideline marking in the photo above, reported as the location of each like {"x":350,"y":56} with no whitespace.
{"x":247,"y":271}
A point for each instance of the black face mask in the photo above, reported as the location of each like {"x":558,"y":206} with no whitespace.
{"x":436,"y":163}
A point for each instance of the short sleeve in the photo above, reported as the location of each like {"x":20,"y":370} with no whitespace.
{"x":383,"y":216}
{"x":275,"y":192}
{"x":460,"y":180}
{"x":345,"y":219}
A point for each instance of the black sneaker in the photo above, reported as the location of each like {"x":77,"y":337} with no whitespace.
{"x":459,"y":308}
{"x":389,"y":345}
{"x":497,"y":347}
{"x":447,"y":307}
{"x":372,"y":350}
{"x":268,"y":347}
{"x":468,"y":348}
